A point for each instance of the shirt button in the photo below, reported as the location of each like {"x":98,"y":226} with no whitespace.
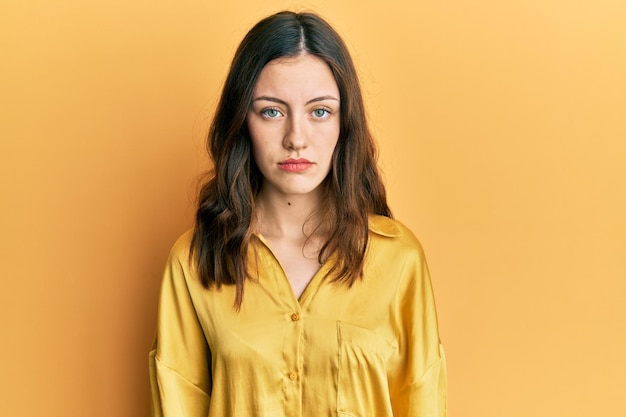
{"x":295,"y":317}
{"x":293,"y":376}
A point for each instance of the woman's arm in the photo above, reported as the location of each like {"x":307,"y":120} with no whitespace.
{"x":180,"y":366}
{"x":418,"y":378}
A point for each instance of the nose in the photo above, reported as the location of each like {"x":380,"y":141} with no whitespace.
{"x":295,"y":135}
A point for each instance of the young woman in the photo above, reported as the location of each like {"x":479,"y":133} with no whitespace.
{"x":296,"y":293}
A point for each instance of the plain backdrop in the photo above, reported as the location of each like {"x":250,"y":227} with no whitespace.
{"x":502,"y":135}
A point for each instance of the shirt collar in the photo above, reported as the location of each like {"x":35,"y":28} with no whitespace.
{"x":380,"y":225}
{"x":384,"y":226}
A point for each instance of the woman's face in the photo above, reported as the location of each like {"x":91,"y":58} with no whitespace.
{"x":294,"y":124}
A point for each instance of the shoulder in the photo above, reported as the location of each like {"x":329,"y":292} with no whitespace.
{"x":181,"y":247}
{"x":180,"y":270}
{"x":394,"y":230}
{"x":391,"y":239}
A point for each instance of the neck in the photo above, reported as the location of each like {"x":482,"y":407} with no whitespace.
{"x":282,"y":216}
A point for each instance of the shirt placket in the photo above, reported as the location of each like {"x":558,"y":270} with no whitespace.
{"x":293,"y":378}
{"x":292,"y":364}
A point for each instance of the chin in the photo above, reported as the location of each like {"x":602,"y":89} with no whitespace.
{"x":294,"y":187}
{"x":300,"y":190}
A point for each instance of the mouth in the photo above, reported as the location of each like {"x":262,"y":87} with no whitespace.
{"x":295,"y":165}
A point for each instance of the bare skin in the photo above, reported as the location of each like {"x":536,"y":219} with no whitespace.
{"x":281,"y":225}
{"x":294,"y":126}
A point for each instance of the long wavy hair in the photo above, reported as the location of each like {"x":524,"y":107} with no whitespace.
{"x":353,"y":187}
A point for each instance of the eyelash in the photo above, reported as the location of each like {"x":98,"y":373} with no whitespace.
{"x":325,"y":116}
{"x":265,"y":111}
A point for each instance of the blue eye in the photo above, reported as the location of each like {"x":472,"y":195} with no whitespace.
{"x":320,"y":113}
{"x":270,"y":113}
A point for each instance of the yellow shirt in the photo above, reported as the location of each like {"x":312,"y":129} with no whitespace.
{"x":369,"y":350}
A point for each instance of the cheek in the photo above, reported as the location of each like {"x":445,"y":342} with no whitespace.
{"x":326,"y":154}
{"x":332,"y":138}
{"x":255,"y":140}
{"x":257,"y":151}
{"x":336,"y":129}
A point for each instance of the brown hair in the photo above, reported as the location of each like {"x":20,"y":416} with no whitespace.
{"x":353,"y":187}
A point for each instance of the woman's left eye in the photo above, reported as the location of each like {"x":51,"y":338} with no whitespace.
{"x":321,"y":113}
{"x":270,"y":113}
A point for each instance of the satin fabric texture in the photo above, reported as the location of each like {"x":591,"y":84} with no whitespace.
{"x":371,"y":349}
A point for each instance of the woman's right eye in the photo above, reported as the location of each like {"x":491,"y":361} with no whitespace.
{"x":271,"y":113}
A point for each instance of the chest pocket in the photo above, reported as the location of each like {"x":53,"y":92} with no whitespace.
{"x":362,"y":389}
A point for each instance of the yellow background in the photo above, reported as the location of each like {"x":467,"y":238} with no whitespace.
{"x":502,"y":129}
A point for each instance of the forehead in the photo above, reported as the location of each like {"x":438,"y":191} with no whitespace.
{"x":303,"y":74}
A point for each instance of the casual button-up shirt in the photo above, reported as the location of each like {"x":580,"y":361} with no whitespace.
{"x":371,"y":349}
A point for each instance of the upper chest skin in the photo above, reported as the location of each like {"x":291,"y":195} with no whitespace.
{"x":298,"y":263}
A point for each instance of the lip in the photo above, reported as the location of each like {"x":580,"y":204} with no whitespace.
{"x":295,"y":165}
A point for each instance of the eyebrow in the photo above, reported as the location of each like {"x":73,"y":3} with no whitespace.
{"x":277,"y":100}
